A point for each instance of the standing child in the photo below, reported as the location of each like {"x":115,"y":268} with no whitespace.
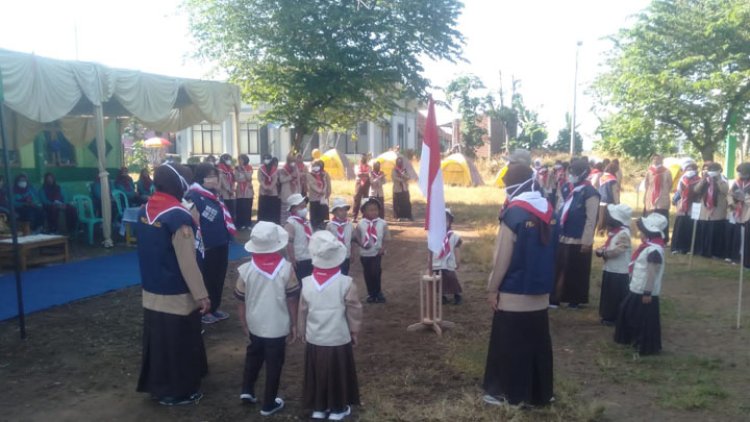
{"x":616,"y":255}
{"x":638,"y":322}
{"x":371,"y":231}
{"x":343,"y":229}
{"x":300,"y":231}
{"x":447,"y":262}
{"x":377,"y":179}
{"x":330,"y":317}
{"x":269,"y":294}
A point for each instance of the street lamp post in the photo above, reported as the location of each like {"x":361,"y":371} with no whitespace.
{"x":575,"y":97}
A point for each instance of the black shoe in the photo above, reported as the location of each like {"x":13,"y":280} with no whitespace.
{"x":573,"y":306}
{"x":607,"y":323}
{"x":371,"y":299}
{"x":445,"y":300}
{"x":457,"y":299}
{"x":181,"y":401}
{"x":278,"y":404}
{"x":380,"y":298}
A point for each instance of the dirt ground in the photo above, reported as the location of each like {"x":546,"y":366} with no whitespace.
{"x":81,"y":361}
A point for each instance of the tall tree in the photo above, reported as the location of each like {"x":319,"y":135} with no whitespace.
{"x":685,"y":64}
{"x":325,"y":63}
{"x":562,"y":143}
{"x":463,"y":94}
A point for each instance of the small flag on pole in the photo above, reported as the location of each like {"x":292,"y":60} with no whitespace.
{"x":431,"y":183}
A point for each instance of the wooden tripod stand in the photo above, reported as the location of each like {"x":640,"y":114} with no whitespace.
{"x":431,"y":305}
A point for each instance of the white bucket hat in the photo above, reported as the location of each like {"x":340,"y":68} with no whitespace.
{"x":620,"y":212}
{"x":327,"y":252}
{"x":449,"y":212}
{"x":267,"y":237}
{"x":339,"y":202}
{"x":295,"y":199}
{"x":655,"y":223}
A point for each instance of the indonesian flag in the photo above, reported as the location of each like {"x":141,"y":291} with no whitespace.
{"x":431,"y":184}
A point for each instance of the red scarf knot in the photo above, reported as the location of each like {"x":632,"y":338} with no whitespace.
{"x":657,"y":174}
{"x":267,"y":263}
{"x":305,"y":225}
{"x":446,"y":245}
{"x":340,"y":228}
{"x":371,"y":234}
{"x":228,"y":221}
{"x":322,"y":275}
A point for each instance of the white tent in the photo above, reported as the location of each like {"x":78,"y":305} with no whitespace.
{"x":79,"y":95}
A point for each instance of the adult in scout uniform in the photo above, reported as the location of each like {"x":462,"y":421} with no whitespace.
{"x":362,"y":185}
{"x":377,"y":179}
{"x":269,"y":293}
{"x":685,"y":197}
{"x":174,"y":295}
{"x":616,"y":256}
{"x":638,"y":320}
{"x":577,"y":217}
{"x":713,"y":188}
{"x":302,"y":172}
{"x":216,"y":231}
{"x":319,"y":190}
{"x":227,"y":183}
{"x":447,"y":262}
{"x":658,"y":185}
{"x":300,"y":231}
{"x":269,"y":203}
{"x":330,"y":318}
{"x":343,"y":229}
{"x":401,"y":198}
{"x":738,"y":214}
{"x":288,"y":184}
{"x":519,"y":358}
{"x":609,"y":193}
{"x":244,"y":192}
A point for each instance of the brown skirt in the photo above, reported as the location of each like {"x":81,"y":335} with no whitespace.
{"x":451,"y":286}
{"x":330,"y":378}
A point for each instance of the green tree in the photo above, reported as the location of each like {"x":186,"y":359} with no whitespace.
{"x":318,"y":64}
{"x":562,"y":143}
{"x":634,"y":136}
{"x":462,"y":92}
{"x":683,"y":65}
{"x":522,"y":126}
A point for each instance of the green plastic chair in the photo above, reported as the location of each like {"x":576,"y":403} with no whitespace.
{"x":85,"y":208}
{"x":121,"y":201}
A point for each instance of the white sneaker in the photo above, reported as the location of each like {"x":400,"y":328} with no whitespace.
{"x":340,"y":416}
{"x":319,"y":415}
{"x":493,"y":400}
{"x":279,"y":406}
{"x":248,"y":398}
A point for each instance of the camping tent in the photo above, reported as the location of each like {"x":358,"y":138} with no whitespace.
{"x":459,"y":170}
{"x":388,"y":162}
{"x":499,"y":178}
{"x":337,"y":165}
{"x":77,"y":96}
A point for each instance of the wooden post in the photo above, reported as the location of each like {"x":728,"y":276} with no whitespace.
{"x":692,"y":245}
{"x":742,"y":268}
{"x":431,"y":303}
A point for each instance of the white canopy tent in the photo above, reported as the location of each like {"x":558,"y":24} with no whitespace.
{"x":80,"y":95}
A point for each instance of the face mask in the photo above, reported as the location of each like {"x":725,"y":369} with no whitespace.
{"x":23,"y":184}
{"x":301,"y":213}
{"x":510,"y":191}
{"x":691,"y":173}
{"x":210,"y":182}
{"x":572,"y":179}
{"x":657,"y":165}
{"x":713,"y":174}
{"x":266,"y":162}
{"x":228,"y":162}
{"x":316,"y":169}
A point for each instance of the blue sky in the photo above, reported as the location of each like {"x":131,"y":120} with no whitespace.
{"x":532,"y":40}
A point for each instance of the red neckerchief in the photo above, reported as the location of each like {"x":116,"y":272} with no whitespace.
{"x":611,"y":235}
{"x":340,"y":228}
{"x":228,"y":221}
{"x":371,"y":233}
{"x":292,"y":171}
{"x":742,"y":185}
{"x":242,"y":186}
{"x":710,"y":199}
{"x":318,"y":175}
{"x":593,"y":173}
{"x":402,"y":172}
{"x":685,"y":187}
{"x":569,"y":199}
{"x":322,"y":275}
{"x":301,"y":167}
{"x":267,"y":263}
{"x":375,"y":175}
{"x":227,"y":172}
{"x":606,"y":178}
{"x":446,"y":245}
{"x":268,"y":178}
{"x":305,"y":225}
{"x":535,"y":203}
{"x":657,"y":241}
{"x":656,"y":174}
{"x":159,"y":203}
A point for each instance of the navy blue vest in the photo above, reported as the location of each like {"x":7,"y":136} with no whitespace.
{"x":213,"y":230}
{"x":160,"y":273}
{"x":573,"y":226}
{"x":532,"y":266}
{"x":605,"y":192}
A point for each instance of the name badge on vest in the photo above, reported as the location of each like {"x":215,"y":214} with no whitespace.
{"x":209,"y":213}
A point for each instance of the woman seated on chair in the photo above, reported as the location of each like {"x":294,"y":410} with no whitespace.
{"x":145,"y":186}
{"x":26,"y":202}
{"x":53,"y":201}
{"x":125,"y":183}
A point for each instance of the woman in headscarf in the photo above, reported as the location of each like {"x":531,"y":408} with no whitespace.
{"x":401,"y":199}
{"x":519,"y":358}
{"x":658,"y":185}
{"x":53,"y":201}
{"x":713,"y":188}
{"x":244,"y":191}
{"x":684,"y":198}
{"x":227,"y":183}
{"x":318,"y":186}
{"x":377,"y":179}
{"x":738,"y":214}
{"x":362,"y":185}
{"x":26,"y":202}
{"x":269,"y":203}
{"x":125,"y":183}
{"x":174,"y":296}
{"x":609,"y":192}
{"x":145,"y":185}
{"x":288,"y":184}
{"x":578,"y":217}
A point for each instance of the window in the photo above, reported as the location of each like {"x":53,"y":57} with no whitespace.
{"x":400,"y":136}
{"x":386,"y":139}
{"x":249,"y":138}
{"x":207,"y":139}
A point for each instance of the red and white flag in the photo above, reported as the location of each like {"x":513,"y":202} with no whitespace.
{"x":431,"y":183}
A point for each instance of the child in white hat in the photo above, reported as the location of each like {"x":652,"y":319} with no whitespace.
{"x":638,"y":322}
{"x":616,"y":255}
{"x":447,"y":262}
{"x":342,"y":229}
{"x":269,"y":293}
{"x":300,"y":230}
{"x":330,"y":317}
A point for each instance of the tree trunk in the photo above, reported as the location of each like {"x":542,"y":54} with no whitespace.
{"x":707,"y":152}
{"x":298,"y":137}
